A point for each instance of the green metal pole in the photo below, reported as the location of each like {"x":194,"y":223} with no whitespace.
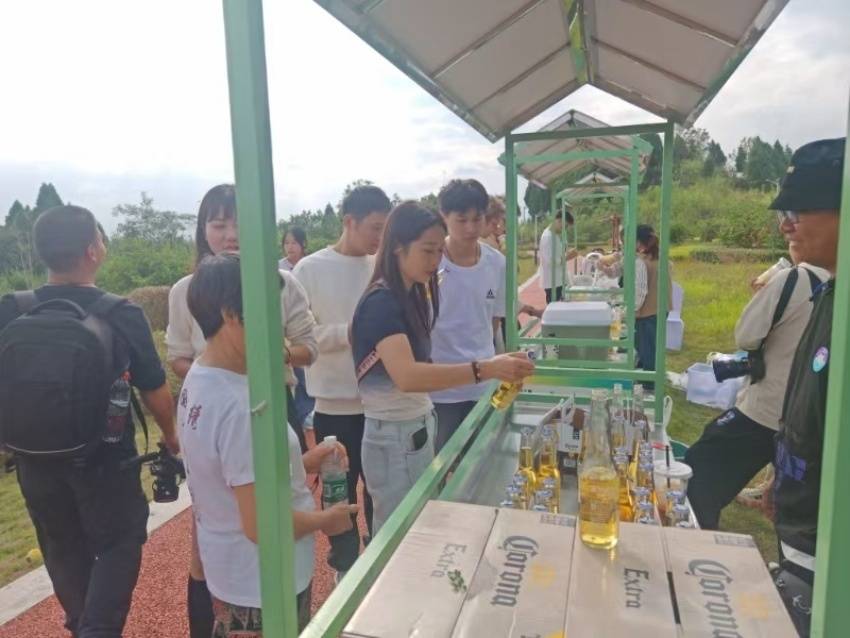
{"x":630,"y":209}
{"x":511,"y":228}
{"x":554,"y":250}
{"x":252,"y":160}
{"x":830,"y":611}
{"x":663,"y":271}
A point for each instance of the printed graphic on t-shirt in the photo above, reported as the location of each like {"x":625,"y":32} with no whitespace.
{"x":491,"y":294}
{"x":194,"y":415}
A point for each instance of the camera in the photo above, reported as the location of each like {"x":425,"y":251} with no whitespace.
{"x":165,"y":469}
{"x":739,"y":365}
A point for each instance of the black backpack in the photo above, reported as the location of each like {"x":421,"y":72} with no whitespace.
{"x":57,"y":369}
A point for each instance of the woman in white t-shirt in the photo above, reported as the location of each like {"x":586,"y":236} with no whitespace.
{"x":215,"y":432}
{"x":217,"y":232}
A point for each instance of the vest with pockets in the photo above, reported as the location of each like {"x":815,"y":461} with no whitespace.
{"x":57,"y":369}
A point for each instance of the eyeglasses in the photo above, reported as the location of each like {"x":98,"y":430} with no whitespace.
{"x":790,"y":216}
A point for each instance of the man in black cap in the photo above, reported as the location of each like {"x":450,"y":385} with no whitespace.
{"x":808,"y":208}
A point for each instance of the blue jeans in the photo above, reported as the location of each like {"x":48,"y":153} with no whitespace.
{"x":645,"y":342}
{"x":395,"y":454}
{"x":303,"y":403}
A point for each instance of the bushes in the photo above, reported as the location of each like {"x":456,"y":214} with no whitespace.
{"x":721,"y":255}
{"x":135,"y":263}
{"x":154,"y":302}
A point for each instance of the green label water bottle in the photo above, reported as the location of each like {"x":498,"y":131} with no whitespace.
{"x":334,"y":476}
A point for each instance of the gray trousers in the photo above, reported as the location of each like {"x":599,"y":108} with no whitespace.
{"x":395,"y":454}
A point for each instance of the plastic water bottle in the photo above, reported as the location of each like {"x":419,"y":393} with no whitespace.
{"x":334,"y":476}
{"x":118,"y":409}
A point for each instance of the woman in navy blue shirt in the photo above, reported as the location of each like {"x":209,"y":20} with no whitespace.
{"x":391,"y":342}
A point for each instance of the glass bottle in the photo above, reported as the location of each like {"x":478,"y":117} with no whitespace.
{"x":645,"y":514}
{"x":505,"y":394}
{"x":625,"y":505}
{"x":554,"y":488}
{"x":618,"y":420}
{"x":639,"y":428}
{"x":526,"y":462}
{"x":599,"y":484}
{"x":515,"y":495}
{"x":549,"y":462}
{"x":681,"y":516}
{"x":521,"y":483}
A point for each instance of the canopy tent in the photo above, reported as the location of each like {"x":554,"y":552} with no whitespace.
{"x":609,"y":153}
{"x":488,"y":65}
{"x":498,"y":63}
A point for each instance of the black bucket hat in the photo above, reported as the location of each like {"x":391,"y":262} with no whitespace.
{"x":813,"y":179}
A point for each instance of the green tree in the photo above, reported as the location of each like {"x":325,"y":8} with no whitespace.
{"x":329,"y":210}
{"x":715,"y":159}
{"x":652,"y":174}
{"x":47,"y":198}
{"x":143,"y":221}
{"x":741,"y":156}
{"x":537,"y":200}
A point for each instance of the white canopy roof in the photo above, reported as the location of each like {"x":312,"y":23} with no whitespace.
{"x":498,"y":63}
{"x":543,"y":174}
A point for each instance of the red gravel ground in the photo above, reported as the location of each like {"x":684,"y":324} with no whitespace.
{"x":159,"y":602}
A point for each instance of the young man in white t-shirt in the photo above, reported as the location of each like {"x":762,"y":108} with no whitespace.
{"x":335,"y":278}
{"x":215,"y":431}
{"x":472,"y":300}
{"x":553,"y":255}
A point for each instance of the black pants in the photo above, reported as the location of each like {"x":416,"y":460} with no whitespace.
{"x":559,"y":293}
{"x":91,"y":525}
{"x":296,"y":423}
{"x":348,"y":430}
{"x":449,"y":418}
{"x":730,"y":452}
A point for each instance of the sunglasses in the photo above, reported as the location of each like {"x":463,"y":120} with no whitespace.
{"x":790,"y":216}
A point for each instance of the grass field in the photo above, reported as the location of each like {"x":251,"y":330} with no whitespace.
{"x":714,"y":296}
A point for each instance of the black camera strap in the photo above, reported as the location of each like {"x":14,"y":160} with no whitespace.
{"x":137,"y":408}
{"x":785,"y":297}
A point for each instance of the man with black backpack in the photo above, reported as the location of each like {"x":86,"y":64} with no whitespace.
{"x":740,"y":442}
{"x":69,"y":354}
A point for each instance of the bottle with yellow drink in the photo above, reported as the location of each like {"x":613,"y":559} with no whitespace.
{"x":599,"y":484}
{"x":526,"y":463}
{"x":549,"y":462}
{"x":505,"y":394}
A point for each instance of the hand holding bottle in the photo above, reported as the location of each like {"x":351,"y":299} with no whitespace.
{"x":512,"y":367}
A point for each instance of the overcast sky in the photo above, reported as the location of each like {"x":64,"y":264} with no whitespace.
{"x":109,"y":98}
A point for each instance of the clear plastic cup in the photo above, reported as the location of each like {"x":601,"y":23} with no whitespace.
{"x":672,"y":477}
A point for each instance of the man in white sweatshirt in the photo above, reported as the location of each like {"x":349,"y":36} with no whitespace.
{"x":335,"y":278}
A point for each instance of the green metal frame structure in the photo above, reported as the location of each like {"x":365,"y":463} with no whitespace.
{"x":577,"y":371}
{"x":249,"y":109}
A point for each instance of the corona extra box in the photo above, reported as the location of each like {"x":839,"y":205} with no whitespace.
{"x":520,"y":586}
{"x":722,"y":587}
{"x":422,"y":587}
{"x":624,"y":591}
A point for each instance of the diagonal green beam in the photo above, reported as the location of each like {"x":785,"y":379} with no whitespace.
{"x":338,"y":609}
{"x":252,"y":160}
{"x":830,"y":611}
{"x":574,"y":11}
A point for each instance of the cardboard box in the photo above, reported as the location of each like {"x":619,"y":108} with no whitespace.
{"x":520,"y":586}
{"x":621,"y":592}
{"x":722,"y":586}
{"x":416,"y":594}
